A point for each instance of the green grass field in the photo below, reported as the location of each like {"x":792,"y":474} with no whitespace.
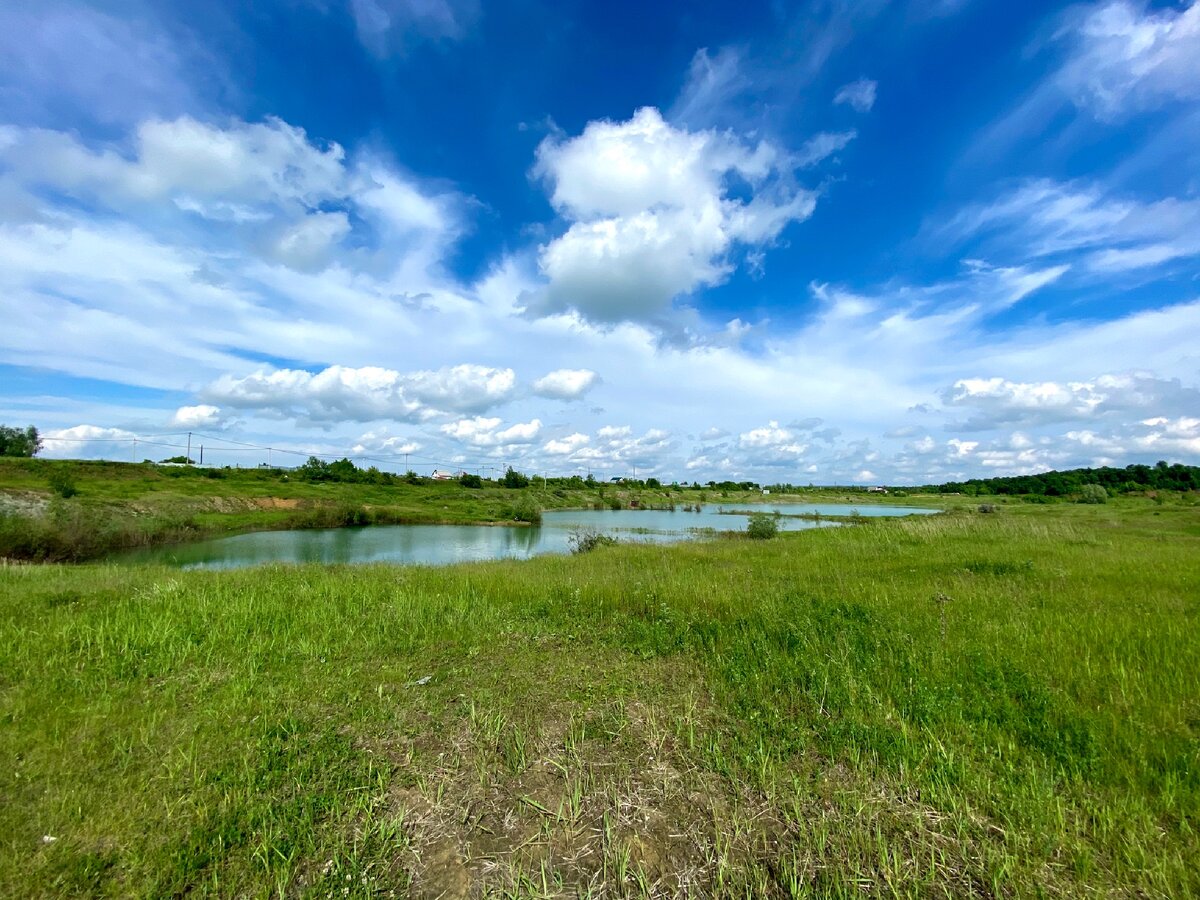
{"x":964,"y":705}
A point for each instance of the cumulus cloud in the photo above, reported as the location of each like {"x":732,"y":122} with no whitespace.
{"x":999,"y":402}
{"x":860,"y":94}
{"x":651,"y":216}
{"x":214,"y":169}
{"x":94,"y":441}
{"x":268,"y":182}
{"x":770,"y":445}
{"x":616,"y":449}
{"x":567,"y":445}
{"x":340,"y":393}
{"x":199,"y":417}
{"x":382,"y":442}
{"x":565,"y":384}
{"x":483,"y":431}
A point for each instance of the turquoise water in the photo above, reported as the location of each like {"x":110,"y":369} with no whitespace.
{"x":445,"y":544}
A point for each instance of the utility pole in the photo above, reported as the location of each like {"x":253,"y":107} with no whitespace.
{"x":201,"y":454}
{"x":268,"y":457}
{"x":189,"y":453}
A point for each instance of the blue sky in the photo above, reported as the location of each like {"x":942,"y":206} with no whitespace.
{"x":824,"y":242}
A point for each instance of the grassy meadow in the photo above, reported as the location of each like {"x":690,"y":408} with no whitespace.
{"x":990,"y":705}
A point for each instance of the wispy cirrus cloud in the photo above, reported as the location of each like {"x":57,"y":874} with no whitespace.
{"x":859,"y":95}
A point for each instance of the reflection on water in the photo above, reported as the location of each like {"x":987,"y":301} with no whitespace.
{"x":444,"y":544}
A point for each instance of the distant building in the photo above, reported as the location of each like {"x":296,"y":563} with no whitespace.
{"x":439,"y":475}
{"x":617,"y":479}
{"x":878,"y":489}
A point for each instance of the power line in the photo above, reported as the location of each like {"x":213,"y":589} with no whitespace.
{"x":246,"y":447}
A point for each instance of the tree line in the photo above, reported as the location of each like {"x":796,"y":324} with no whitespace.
{"x":1130,"y":479}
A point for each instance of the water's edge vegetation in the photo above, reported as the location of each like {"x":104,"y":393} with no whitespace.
{"x":72,"y":511}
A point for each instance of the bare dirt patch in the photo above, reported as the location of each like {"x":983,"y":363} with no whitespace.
{"x":23,"y":503}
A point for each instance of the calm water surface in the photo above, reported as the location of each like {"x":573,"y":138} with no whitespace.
{"x":444,"y":544}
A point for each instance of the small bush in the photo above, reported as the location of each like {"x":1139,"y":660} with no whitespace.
{"x":63,"y":484}
{"x":470,"y":481}
{"x":1093,"y":493}
{"x":527,"y":511}
{"x":762,"y":526}
{"x":584,"y":540}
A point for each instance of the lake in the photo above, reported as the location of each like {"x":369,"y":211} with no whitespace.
{"x":445,"y":544}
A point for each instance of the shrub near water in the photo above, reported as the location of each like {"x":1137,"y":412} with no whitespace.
{"x":762,"y":526}
{"x":585,"y":540}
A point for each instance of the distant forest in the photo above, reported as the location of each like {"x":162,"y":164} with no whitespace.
{"x":1159,"y":477}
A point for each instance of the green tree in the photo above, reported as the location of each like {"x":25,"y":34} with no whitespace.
{"x":514,"y":479}
{"x":314,"y":469}
{"x":1093,"y":493}
{"x":18,"y":442}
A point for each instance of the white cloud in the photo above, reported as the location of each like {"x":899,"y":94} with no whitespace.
{"x":567,"y":445}
{"x":824,"y":145}
{"x":999,"y":402}
{"x":381,"y":442}
{"x":770,"y":445}
{"x":110,"y":68}
{"x":184,"y":290}
{"x":92,"y":441}
{"x":770,"y":436}
{"x":308,"y":244}
{"x":198,"y":417}
{"x":266,"y":184}
{"x":386,"y":27}
{"x":189,"y":161}
{"x":1125,"y":57}
{"x":486,"y":432}
{"x":858,"y":94}
{"x":651,"y":219}
{"x":340,"y":393}
{"x":565,"y":384}
{"x":615,"y":431}
{"x":714,"y":80}
{"x":1044,"y":218}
